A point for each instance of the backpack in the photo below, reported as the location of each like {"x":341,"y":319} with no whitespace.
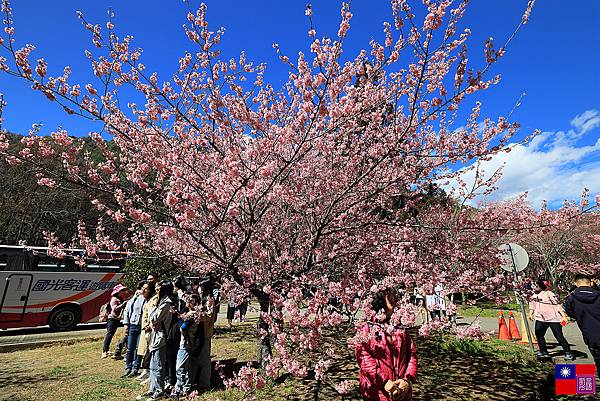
{"x":197,"y":340}
{"x":105,"y":310}
{"x":120,"y":314}
{"x":172,"y":334}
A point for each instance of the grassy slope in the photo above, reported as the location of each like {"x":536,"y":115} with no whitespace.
{"x":487,"y":310}
{"x":448,"y":370}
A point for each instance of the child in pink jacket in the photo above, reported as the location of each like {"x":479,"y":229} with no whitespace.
{"x":388,"y":362}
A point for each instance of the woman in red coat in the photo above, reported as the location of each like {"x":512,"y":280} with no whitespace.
{"x":388,"y":362}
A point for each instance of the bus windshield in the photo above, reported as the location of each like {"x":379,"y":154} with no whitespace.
{"x":20,"y":258}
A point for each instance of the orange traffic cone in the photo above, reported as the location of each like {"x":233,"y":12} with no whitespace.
{"x":503,"y":333}
{"x":512,"y":327}
{"x":524,"y":339}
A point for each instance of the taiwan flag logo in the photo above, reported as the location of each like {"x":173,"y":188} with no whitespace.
{"x":575,"y":379}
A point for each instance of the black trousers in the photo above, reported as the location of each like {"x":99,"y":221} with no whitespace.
{"x":170,"y":369}
{"x":595,"y":351}
{"x":540,"y":332}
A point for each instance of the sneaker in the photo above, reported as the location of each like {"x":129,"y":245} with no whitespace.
{"x":127,"y":373}
{"x":134,"y":373}
{"x":156,"y":396}
{"x":104,"y":355}
{"x":569,"y":356}
{"x":540,"y":354}
{"x":117,"y":357}
{"x":144,"y":396}
{"x":144,"y":375}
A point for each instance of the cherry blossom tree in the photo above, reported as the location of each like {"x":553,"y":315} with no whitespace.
{"x":297,"y":195}
{"x":562,"y":241}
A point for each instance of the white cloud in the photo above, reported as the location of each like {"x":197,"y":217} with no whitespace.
{"x":552,"y":167}
{"x":586,"y":121}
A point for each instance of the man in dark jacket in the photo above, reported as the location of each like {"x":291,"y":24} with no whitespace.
{"x":583,"y":305}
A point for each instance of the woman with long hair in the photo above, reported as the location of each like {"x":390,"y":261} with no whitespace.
{"x":189,"y":346}
{"x":388,"y":359}
{"x":159,"y":318}
{"x":547,"y":311}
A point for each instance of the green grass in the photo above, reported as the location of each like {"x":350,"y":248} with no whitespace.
{"x":62,"y":371}
{"x":96,"y":394}
{"x":491,"y":348}
{"x":487,"y":310}
{"x":449,"y":369}
{"x":492,"y":369}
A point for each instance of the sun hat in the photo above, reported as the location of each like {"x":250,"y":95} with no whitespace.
{"x":118,"y":288}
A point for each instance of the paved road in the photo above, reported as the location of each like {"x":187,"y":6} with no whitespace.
{"x":571,"y":333}
{"x":15,"y":339}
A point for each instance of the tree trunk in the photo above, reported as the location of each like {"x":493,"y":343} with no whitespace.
{"x":263,"y":342}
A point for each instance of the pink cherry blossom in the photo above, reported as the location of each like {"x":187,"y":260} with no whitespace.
{"x":309,"y":196}
{"x":344,"y":387}
{"x":47,"y":182}
{"x":471,"y":331}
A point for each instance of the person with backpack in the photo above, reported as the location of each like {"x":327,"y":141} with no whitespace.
{"x":583,"y":305}
{"x":114,"y":308}
{"x":387,"y":356}
{"x":160,"y":319}
{"x":132,"y":319}
{"x":201,"y":365}
{"x":190,"y":346}
{"x":173,"y":339}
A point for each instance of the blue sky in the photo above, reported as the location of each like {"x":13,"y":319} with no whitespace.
{"x":554,"y":60}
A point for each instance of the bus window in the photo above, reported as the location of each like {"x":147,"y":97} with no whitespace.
{"x":47,"y":263}
{"x":70,"y":265}
{"x":104,"y":268}
{"x":15,"y":262}
{"x":18,"y":258}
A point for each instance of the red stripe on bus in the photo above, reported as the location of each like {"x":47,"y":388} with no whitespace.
{"x":75,"y":297}
{"x":89,"y":311}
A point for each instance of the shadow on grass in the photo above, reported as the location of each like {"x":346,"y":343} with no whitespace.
{"x":24,"y":377}
{"x":239,"y":332}
{"x":448,"y":370}
{"x":445,"y":373}
{"x":228,"y":368}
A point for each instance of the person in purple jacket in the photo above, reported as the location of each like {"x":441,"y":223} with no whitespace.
{"x":117,"y":303}
{"x":583,"y":305}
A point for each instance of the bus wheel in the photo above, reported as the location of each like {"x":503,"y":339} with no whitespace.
{"x":64,"y":318}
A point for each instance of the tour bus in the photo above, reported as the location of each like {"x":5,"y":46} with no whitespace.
{"x":37,"y":289}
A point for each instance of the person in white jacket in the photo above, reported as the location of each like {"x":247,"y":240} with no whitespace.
{"x":160,"y":319}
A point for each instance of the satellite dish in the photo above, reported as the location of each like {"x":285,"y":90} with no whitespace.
{"x":514,"y":257}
